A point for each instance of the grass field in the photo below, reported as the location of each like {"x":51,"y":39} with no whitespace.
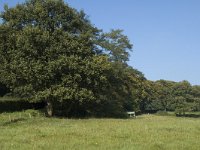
{"x":146,"y":132}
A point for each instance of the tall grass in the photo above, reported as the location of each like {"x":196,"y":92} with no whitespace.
{"x":146,"y":132}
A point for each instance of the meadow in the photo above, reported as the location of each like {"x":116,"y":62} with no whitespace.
{"x":31,"y":130}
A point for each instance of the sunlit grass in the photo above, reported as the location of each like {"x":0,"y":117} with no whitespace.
{"x":30,"y":130}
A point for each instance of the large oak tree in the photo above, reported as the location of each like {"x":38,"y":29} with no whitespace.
{"x":51,"y":52}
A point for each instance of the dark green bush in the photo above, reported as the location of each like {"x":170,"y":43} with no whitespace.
{"x":8,"y":104}
{"x":163,"y":113}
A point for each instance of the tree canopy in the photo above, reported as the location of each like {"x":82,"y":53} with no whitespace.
{"x":51,"y":52}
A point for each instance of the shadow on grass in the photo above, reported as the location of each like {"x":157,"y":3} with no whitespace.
{"x":13,"y":121}
{"x":189,"y":115}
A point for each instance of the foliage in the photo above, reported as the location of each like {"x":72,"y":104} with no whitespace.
{"x":51,"y":52}
{"x":174,"y":96}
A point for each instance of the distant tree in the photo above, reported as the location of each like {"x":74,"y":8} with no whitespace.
{"x":165,"y":95}
{"x":116,"y":45}
{"x":195,"y":92}
{"x":181,"y":105}
{"x":182,"y":89}
{"x":172,"y":96}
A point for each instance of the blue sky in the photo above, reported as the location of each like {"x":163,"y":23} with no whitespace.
{"x":165,"y":33}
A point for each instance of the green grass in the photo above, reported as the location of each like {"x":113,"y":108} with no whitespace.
{"x":8,"y":98}
{"x":196,"y":113}
{"x":30,"y":130}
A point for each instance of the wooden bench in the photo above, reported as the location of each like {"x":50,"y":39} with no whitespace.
{"x":131,"y":114}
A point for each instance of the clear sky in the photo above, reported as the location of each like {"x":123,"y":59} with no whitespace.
{"x":165,"y":33}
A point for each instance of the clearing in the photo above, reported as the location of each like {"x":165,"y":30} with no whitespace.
{"x":30,"y":130}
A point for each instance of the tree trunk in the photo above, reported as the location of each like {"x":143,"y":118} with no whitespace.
{"x":49,"y":109}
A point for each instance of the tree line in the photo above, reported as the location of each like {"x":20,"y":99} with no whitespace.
{"x":52,"y":53}
{"x":166,"y":95}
